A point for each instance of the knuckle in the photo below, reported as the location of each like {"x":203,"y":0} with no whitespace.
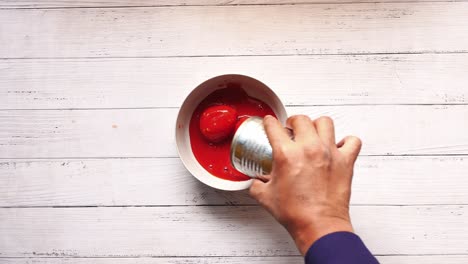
{"x":280,"y":156}
{"x":299,"y":118}
{"x":319,"y":151}
{"x":311,"y":150}
{"x":325,"y":154}
{"x":253,"y":191}
{"x":325,"y":160}
{"x":314,"y":149}
{"x":356,"y":141}
{"x":344,"y":190}
{"x":325,"y":119}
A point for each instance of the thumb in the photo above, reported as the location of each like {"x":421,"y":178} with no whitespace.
{"x":258,"y":190}
{"x":350,"y":146}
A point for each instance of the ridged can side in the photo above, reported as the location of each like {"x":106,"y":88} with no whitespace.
{"x":251,"y":152}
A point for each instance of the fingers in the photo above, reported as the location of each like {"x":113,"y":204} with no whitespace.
{"x":258,"y":191}
{"x":350,"y":146}
{"x":326,"y":130}
{"x":304,"y":129}
{"x":275,"y":131}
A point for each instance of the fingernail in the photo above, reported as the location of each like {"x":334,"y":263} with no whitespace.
{"x":268,"y":117}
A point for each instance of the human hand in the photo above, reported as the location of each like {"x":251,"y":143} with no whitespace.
{"x":309,"y":188}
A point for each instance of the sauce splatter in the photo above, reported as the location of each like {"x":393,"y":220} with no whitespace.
{"x":212,"y":150}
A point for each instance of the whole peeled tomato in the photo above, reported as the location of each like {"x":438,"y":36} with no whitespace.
{"x":218,"y":122}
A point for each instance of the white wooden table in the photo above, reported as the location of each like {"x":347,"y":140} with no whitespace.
{"x":89,"y":92}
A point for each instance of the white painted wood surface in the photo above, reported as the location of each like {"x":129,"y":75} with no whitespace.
{"x":381,"y":180}
{"x":385,"y":130}
{"x":147,"y":3}
{"x":102,"y":183}
{"x":235,"y":30}
{"x":311,"y":80}
{"x":166,"y":231}
{"x":447,"y":259}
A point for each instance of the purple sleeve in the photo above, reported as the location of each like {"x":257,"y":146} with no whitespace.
{"x":339,"y":248}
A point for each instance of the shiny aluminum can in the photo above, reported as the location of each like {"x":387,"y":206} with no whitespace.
{"x":251,"y":152}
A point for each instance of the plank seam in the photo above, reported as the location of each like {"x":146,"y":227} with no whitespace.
{"x":211,"y":256}
{"x":246,"y":55}
{"x":231,"y":5}
{"x":209,"y":205}
{"x":176,"y":157}
{"x":177,"y":107}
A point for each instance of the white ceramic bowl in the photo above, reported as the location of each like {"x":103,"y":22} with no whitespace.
{"x":253,"y":88}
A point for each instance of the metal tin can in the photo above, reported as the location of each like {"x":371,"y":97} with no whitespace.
{"x":251,"y":152}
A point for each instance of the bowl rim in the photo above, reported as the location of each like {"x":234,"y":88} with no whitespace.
{"x":216,"y":182}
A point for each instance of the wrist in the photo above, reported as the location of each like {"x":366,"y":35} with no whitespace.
{"x":306,"y":234}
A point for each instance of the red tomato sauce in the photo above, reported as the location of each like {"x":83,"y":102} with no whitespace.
{"x":213,"y":124}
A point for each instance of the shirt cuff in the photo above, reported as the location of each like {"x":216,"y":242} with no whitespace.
{"x":339,"y":248}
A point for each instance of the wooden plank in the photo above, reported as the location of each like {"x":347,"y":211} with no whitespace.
{"x":433,"y":259}
{"x":311,"y":80}
{"x":436,"y":259}
{"x":150,"y":132}
{"x":89,"y":133}
{"x":230,"y":231}
{"x":235,"y":30}
{"x":130,"y":3}
{"x":198,"y":260}
{"x":131,"y":182}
